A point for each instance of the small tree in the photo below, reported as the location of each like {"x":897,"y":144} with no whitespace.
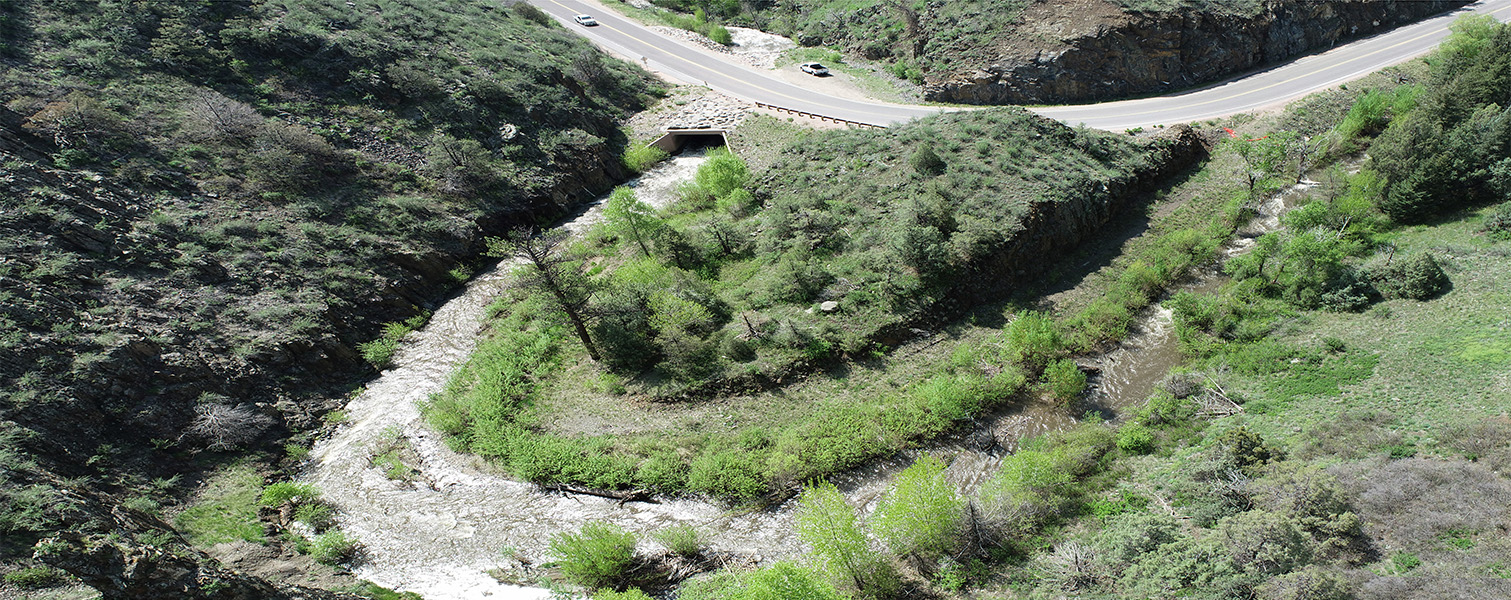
{"x":627,"y":215}
{"x":920,"y":517}
{"x":598,"y":556}
{"x":830,"y":526}
{"x":549,"y":267}
{"x":1261,"y":159}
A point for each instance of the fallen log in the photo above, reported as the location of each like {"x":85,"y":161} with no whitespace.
{"x":621,"y":496}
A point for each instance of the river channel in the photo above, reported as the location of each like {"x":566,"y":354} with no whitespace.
{"x":439,"y":535}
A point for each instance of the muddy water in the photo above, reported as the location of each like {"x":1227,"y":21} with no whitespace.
{"x":439,"y":537}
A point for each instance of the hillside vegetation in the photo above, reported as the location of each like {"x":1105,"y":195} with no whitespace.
{"x":842,"y":247}
{"x":1339,"y":429}
{"x":208,"y":205}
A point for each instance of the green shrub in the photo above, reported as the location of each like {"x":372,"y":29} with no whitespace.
{"x":926,"y":162}
{"x":286,"y":492}
{"x":1498,"y":224}
{"x":530,"y":12}
{"x":1247,"y":449}
{"x":722,"y":173}
{"x":1134,"y":438}
{"x":1064,"y":380}
{"x":1031,"y":340}
{"x":719,"y":34}
{"x":368,"y":589}
{"x":332,"y":547}
{"x":1415,"y":278}
{"x":1027,"y":489}
{"x":729,"y":474}
{"x":920,"y":516}
{"x":598,"y":556}
{"x":782,"y":581}
{"x":1311,"y":583}
{"x":830,"y":526}
{"x":683,"y":539}
{"x":629,"y":594}
{"x":640,"y":157}
{"x":1128,"y":537}
{"x":319,"y":516}
{"x":34,"y":577}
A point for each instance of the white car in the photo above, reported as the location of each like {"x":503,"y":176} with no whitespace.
{"x":813,"y":68}
{"x":585,"y":20}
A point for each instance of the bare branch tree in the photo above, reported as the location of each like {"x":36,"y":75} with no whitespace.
{"x":210,"y":115}
{"x":224,"y":427}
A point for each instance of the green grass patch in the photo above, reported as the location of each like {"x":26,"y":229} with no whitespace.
{"x":225,"y":509}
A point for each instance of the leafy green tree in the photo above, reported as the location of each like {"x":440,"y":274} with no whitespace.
{"x":1026,"y":490}
{"x":920,"y":517}
{"x":627,"y":215}
{"x":598,"y":556}
{"x":722,"y":173}
{"x":830,"y":526}
{"x":550,"y":268}
{"x":1261,"y":159}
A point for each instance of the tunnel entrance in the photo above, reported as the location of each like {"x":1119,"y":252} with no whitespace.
{"x":676,"y":139}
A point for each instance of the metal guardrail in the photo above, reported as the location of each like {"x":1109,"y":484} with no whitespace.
{"x":820,"y":117}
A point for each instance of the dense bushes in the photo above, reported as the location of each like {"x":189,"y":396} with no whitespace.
{"x":1417,"y":278}
{"x":1451,"y":150}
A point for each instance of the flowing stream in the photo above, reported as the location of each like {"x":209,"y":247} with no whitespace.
{"x":440,"y":534}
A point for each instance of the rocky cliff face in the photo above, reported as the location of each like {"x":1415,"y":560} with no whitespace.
{"x":1132,"y":54}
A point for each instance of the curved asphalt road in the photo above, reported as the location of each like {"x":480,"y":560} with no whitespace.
{"x":1268,"y":87}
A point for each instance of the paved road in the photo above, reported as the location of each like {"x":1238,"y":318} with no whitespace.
{"x":1261,"y":89}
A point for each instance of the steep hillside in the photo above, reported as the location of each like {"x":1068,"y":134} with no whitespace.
{"x":212,"y":209}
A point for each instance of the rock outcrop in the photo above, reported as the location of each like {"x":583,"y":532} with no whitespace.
{"x":1133,"y":54}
